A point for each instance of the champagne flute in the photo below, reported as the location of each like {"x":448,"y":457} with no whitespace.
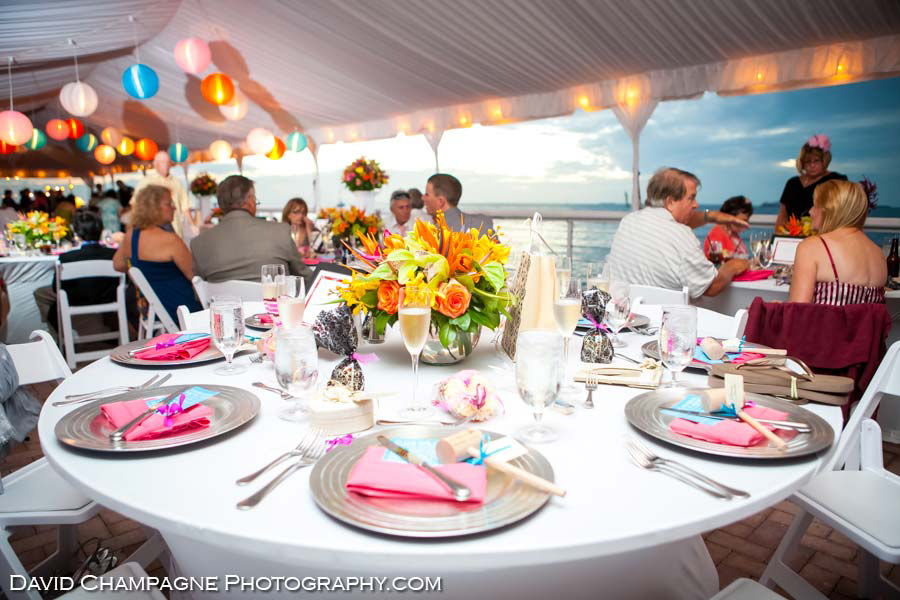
{"x":271,"y":277}
{"x":414,"y":311}
{"x":566,"y":312}
{"x":226,"y":326}
{"x":598,"y":276}
{"x":618,"y":310}
{"x":537,"y":378}
{"x":677,"y":338}
{"x":291,"y":301}
{"x":296,"y":368}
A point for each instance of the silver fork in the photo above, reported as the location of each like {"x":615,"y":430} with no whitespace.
{"x":309,"y":458}
{"x":455,"y":423}
{"x":79,"y":398}
{"x":658,"y":460}
{"x":640,"y":460}
{"x":269,"y":388}
{"x":590,"y":384}
{"x":305,"y":444}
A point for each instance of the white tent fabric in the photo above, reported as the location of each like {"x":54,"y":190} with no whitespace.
{"x":362,"y":69}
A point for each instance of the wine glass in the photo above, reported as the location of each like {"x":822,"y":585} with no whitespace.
{"x":271,"y":277}
{"x":291,"y":300}
{"x":537,"y":378}
{"x":598,"y":276}
{"x":296,"y":368}
{"x":618,"y":310}
{"x":677,"y":338}
{"x":757,"y":241}
{"x":563,"y":273}
{"x":566,"y":312}
{"x":715,"y":252}
{"x":414,"y":311}
{"x":765,"y":254}
{"x":226,"y":326}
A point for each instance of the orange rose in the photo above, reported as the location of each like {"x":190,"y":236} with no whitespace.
{"x":388,"y":296}
{"x":455,"y":301}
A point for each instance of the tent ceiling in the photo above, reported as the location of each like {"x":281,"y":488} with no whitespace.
{"x":315,"y":64}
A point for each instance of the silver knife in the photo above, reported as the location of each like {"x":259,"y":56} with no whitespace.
{"x":801,"y":427}
{"x":118,"y":435}
{"x":460,"y":492}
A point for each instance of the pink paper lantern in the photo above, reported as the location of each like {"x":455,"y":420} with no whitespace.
{"x":192,"y":55}
{"x":15,"y":128}
{"x":57,"y":129}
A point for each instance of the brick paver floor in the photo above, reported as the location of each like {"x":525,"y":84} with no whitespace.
{"x":742,"y":549}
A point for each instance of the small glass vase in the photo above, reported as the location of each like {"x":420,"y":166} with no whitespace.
{"x":435,"y":353}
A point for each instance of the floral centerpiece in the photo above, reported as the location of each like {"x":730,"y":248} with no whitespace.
{"x":349,"y":224}
{"x":364,"y":175}
{"x":203,"y":185}
{"x":39,"y":228}
{"x":796,"y":227}
{"x":464,"y":270}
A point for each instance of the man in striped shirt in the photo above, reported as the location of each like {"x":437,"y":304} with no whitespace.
{"x":656,"y":245}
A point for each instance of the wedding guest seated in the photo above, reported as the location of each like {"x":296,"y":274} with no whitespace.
{"x":841,"y":265}
{"x":656,"y":245}
{"x":442,"y":193}
{"x":401,"y":208}
{"x":110,"y":209}
{"x":8,"y":212}
{"x":241,"y":244}
{"x":296,"y":214}
{"x":160,"y":255}
{"x":812,"y":165}
{"x":729,"y":236}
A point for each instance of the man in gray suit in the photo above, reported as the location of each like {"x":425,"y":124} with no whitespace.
{"x":443,"y":193}
{"x":241,"y":244}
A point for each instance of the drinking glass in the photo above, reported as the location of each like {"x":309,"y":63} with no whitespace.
{"x":414,"y":310}
{"x":757,"y":240}
{"x":291,"y":300}
{"x":296,"y":368}
{"x":715,"y":252}
{"x":271,"y":278}
{"x":765,"y":254}
{"x":598,"y":276}
{"x":618,"y":310}
{"x":537,"y":378}
{"x":226,"y":326}
{"x":677,"y":338}
{"x":566,"y":312}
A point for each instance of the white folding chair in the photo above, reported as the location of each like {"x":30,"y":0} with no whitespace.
{"x":746,"y":589}
{"x":201,"y":290}
{"x":649,"y":294}
{"x":80,"y":270}
{"x":716,"y":324}
{"x":247,"y":291}
{"x":860,"y":501}
{"x":155,"y":309}
{"x":192,"y":321}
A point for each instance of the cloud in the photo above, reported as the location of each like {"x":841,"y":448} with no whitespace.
{"x":724,"y":135}
{"x":788,"y":163}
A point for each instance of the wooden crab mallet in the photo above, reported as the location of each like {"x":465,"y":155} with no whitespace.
{"x":732,"y":397}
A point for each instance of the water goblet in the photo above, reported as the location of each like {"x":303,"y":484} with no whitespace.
{"x":414,"y":313}
{"x":618,"y":310}
{"x":537,"y":378}
{"x":296,"y":368}
{"x":677,"y":339}
{"x":226,"y":326}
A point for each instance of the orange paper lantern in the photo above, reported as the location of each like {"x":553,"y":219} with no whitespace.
{"x":7,"y":148}
{"x":217,"y":88}
{"x":277,"y":150}
{"x":125,"y":146}
{"x":76,"y":129}
{"x":145,"y":149}
{"x":57,"y":129}
{"x":104,"y":154}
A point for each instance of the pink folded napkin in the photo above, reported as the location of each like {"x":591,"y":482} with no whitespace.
{"x":732,"y":433}
{"x":754,"y":275}
{"x":374,"y":476}
{"x":182,"y":351}
{"x":311,"y":261}
{"x":119,"y":413}
{"x":264,"y":318}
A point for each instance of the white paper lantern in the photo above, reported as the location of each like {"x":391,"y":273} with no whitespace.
{"x":111,"y":136}
{"x":220,"y":150}
{"x":260,"y":140}
{"x":78,"y":98}
{"x":192,"y":55}
{"x":15,"y":128}
{"x":104,"y":154}
{"x":237,"y":108}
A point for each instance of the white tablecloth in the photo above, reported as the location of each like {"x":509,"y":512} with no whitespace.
{"x":621,"y":532}
{"x":23,"y":275}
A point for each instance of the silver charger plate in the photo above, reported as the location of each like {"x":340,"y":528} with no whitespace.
{"x":254,"y":322}
{"x":651,"y":349}
{"x":506,"y":500}
{"x":120,"y":355}
{"x":643,"y":412}
{"x":87,"y":428}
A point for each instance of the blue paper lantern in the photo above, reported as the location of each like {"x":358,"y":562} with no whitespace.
{"x":87,"y":142}
{"x":38,"y":140}
{"x":295,"y":142}
{"x":140,"y":81}
{"x":178,"y":152}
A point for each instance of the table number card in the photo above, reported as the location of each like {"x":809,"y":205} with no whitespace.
{"x":322,"y":295}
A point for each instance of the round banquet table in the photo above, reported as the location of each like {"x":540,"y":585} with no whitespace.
{"x":620,"y":532}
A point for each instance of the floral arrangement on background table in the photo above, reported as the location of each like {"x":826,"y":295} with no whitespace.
{"x":464,"y":270}
{"x":796,"y":227}
{"x":204,"y":185}
{"x":364,"y":175}
{"x":39,"y":228}
{"x":348,"y":224}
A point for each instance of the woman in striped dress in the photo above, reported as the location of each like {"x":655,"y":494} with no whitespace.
{"x":841,"y":265}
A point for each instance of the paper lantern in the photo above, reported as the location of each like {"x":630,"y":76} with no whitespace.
{"x":296,"y":142}
{"x":57,"y":129}
{"x":7,"y":148}
{"x":217,"y":88}
{"x":192,"y":55}
{"x":125,"y":146}
{"x":15,"y":128}
{"x":111,"y":136}
{"x":87,"y":143}
{"x":140,"y":81}
{"x":237,"y":108}
{"x":277,"y":150}
{"x":78,"y":98}
{"x":220,"y":150}
{"x":260,"y":140}
{"x":145,"y":149}
{"x":104,"y":154}
{"x":38,"y":139}
{"x":178,"y":152}
{"x":76,"y":129}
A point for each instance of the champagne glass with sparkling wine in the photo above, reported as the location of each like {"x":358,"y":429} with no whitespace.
{"x":567,"y":311}
{"x":414,"y":311}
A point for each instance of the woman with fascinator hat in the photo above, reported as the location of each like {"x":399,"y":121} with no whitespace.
{"x":812,"y":164}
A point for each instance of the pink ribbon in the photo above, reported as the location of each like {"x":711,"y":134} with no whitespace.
{"x":168,"y":344}
{"x":364,"y":359}
{"x":341,"y":441}
{"x":171,"y":410}
{"x":597,"y":325}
